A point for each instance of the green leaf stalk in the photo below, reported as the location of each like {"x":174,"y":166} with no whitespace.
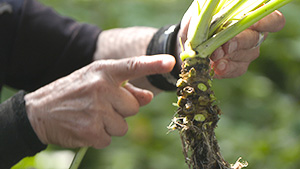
{"x":78,"y":157}
{"x":214,"y":23}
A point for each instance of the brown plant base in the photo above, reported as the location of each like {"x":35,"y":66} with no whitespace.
{"x":197,"y":116}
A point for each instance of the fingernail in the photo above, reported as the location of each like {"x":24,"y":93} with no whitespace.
{"x":221,"y":66}
{"x":232,"y":46}
{"x":218,"y":54}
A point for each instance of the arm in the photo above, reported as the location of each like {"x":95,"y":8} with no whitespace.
{"x":124,"y":43}
{"x":46,"y":46}
{"x":37,"y":55}
{"x":18,"y":139}
{"x":34,"y":52}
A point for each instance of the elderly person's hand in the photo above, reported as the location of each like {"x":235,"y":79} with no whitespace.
{"x":90,"y":105}
{"x":233,"y":58}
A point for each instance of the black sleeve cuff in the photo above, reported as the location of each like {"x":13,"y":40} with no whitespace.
{"x":164,"y":42}
{"x":18,"y":139}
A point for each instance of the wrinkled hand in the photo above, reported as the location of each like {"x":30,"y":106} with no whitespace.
{"x":233,"y":58}
{"x":90,"y":105}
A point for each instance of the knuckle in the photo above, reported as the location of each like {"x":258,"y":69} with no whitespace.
{"x":102,"y":142}
{"x":256,"y":55}
{"x":253,"y":54}
{"x":242,"y":70}
{"x":134,"y":110}
{"x":124,"y":129}
{"x":99,"y":86}
{"x":97,"y":65}
{"x":106,"y":142}
{"x":88,"y":132}
{"x":132,"y":65}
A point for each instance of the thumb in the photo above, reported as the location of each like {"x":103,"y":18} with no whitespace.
{"x":135,"y":67}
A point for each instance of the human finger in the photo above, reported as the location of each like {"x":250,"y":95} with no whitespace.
{"x":122,"y":101}
{"x":102,"y":140}
{"x":247,"y":39}
{"x":185,"y":22}
{"x":142,"y":96}
{"x":243,"y":55}
{"x":135,"y":67}
{"x":92,"y":133}
{"x":230,"y":70}
{"x":237,"y":61}
{"x":115,"y":124}
{"x":272,"y":23}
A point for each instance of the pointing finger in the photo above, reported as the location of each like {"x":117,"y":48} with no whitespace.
{"x":131,"y":68}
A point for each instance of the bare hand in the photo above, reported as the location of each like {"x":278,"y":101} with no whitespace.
{"x":90,"y":105}
{"x":233,"y":58}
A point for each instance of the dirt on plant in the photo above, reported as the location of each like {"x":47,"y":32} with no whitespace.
{"x":197,"y":117}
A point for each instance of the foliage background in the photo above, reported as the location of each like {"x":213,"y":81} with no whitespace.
{"x":261,"y":120}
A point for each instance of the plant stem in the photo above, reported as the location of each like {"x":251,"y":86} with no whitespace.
{"x":221,"y":5}
{"x":224,"y":16}
{"x":208,"y":47}
{"x":199,"y":28}
{"x":78,"y":158}
{"x":247,"y":7}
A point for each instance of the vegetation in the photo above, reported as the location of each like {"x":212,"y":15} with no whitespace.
{"x":213,"y":23}
{"x":261,"y":120}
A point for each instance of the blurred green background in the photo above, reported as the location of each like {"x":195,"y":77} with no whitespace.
{"x":261,"y":120}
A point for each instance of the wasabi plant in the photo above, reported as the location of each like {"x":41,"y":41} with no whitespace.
{"x":215,"y":22}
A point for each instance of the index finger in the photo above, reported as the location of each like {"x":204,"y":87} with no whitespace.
{"x":131,"y":68}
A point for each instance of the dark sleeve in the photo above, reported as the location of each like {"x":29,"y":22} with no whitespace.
{"x":37,"y":46}
{"x":47,"y":46}
{"x":18,"y":139}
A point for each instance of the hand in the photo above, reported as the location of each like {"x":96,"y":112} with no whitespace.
{"x":123,"y":43}
{"x":90,"y":105}
{"x":233,"y":58}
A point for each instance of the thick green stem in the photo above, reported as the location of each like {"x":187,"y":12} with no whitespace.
{"x":224,"y":15}
{"x":208,"y":47}
{"x":248,"y":7}
{"x":199,"y":28}
{"x":221,"y":5}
